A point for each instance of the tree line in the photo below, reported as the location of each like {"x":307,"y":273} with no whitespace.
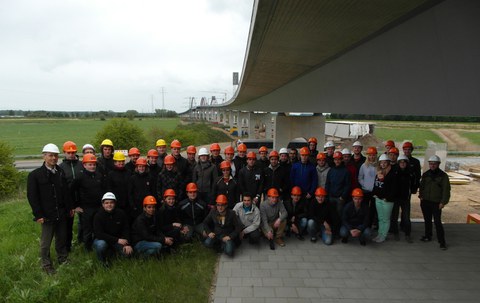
{"x":130,"y":114}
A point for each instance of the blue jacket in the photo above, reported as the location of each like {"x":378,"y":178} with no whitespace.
{"x":338,"y":182}
{"x":305,"y":176}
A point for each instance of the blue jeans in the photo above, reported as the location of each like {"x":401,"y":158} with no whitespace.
{"x":301,"y":225}
{"x":146,"y":248}
{"x":364,"y":236}
{"x":313,"y":229}
{"x":102,"y":249}
{"x":228,"y":247}
{"x":384,"y":212}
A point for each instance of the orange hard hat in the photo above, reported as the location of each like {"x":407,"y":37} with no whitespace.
{"x":191,"y":149}
{"x":152,"y":153}
{"x":321,"y":156}
{"x":175,"y":144}
{"x":89,"y":158}
{"x":273,"y":153}
{"x":229,"y":150}
{"x":225,"y":164}
{"x":320,"y":191}
{"x":357,"y":192}
{"x":252,"y":155}
{"x":304,"y":151}
{"x":337,"y":155}
{"x":272,"y":192}
{"x":214,"y":146}
{"x":69,"y":146}
{"x":242,"y":147}
{"x":169,"y":159}
{"x":389,"y":143}
{"x":169,"y":193}
{"x":394,"y":150}
{"x":313,"y":139}
{"x":372,"y":150}
{"x":407,"y":145}
{"x":296,"y":190}
{"x":133,"y":151}
{"x":263,"y":149}
{"x":149,"y":200}
{"x":221,"y":199}
{"x":141,"y":161}
{"x":191,"y":187}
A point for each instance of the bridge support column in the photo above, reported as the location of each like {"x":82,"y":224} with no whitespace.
{"x":290,"y":127}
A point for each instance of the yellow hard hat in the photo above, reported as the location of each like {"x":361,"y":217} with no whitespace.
{"x":107,"y":142}
{"x":161,"y":142}
{"x":118,"y":156}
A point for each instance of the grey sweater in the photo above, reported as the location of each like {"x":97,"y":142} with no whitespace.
{"x":270,"y":213}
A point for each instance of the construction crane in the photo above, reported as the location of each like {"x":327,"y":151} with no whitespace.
{"x":214,"y":99}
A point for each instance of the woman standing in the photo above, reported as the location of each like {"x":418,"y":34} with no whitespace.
{"x":366,"y":179}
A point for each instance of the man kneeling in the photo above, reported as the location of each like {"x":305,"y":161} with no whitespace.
{"x":355,"y":219}
{"x":249,"y":215}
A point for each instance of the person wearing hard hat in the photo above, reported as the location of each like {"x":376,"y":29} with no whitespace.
{"x":88,"y":189}
{"x":329,"y":150}
{"x":249,"y":215}
{"x":180,"y":162}
{"x":215,"y":157}
{"x":389,"y":144}
{"x":263,"y":159}
{"x":226,"y":185}
{"x":133,"y":155}
{"x":222,"y":227}
{"x":153,"y":168}
{"x":139,"y":186}
{"x":147,"y":235}
{"x":312,"y":147}
{"x":240,"y":160}
{"x":405,"y":179}
{"x":88,"y":149}
{"x":117,"y":181}
{"x":169,"y":216}
{"x":347,"y":160}
{"x":414,"y":164}
{"x":111,"y":228}
{"x":191,"y":163}
{"x":293,"y":155}
{"x":47,"y":193}
{"x":355,"y":219}
{"x":205,"y":175}
{"x":169,"y":178}
{"x":304,"y":174}
{"x":273,"y":219}
{"x":192,"y":213}
{"x":161,"y":147}
{"x":250,"y":178}
{"x":357,"y":158}
{"x":322,"y":169}
{"x":320,"y":217}
{"x":297,"y":211}
{"x":229,"y":154}
{"x":366,"y":179}
{"x":385,"y":192}
{"x":284,"y":159}
{"x":105,"y":161}
{"x":72,"y":168}
{"x":434,"y":194}
{"x":276,"y":177}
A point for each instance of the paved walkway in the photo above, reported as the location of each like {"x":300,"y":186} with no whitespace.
{"x":389,"y":272}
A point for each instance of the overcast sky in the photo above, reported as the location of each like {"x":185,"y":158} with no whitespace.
{"x":90,"y":55}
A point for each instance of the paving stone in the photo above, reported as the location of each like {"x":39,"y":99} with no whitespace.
{"x":262,"y":291}
{"x":242,"y":291}
{"x":286,"y":292}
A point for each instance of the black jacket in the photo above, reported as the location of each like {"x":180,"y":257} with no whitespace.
{"x":298,"y":210}
{"x":251,"y":180}
{"x":353,"y":218}
{"x":320,"y":212}
{"x":239,"y":164}
{"x":104,"y":166}
{"x":387,"y":188}
{"x":139,"y":186}
{"x":231,"y":226}
{"x":276,"y":179}
{"x":167,"y":216}
{"x":229,"y":189}
{"x":72,"y":169}
{"x":147,"y":229}
{"x":117,"y":183}
{"x":89,"y":188}
{"x":47,"y":194}
{"x":192,"y":212}
{"x":170,"y":179}
{"x":111,"y":226}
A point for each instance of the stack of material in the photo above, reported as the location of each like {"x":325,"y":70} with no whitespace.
{"x":460,"y":177}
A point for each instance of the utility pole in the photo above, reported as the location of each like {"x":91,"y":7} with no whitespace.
{"x":163,"y":102}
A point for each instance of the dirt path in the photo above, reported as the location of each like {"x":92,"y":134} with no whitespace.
{"x":455,"y":141}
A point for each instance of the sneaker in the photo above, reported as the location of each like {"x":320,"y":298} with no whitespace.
{"x":375,"y":239}
{"x":313,"y":239}
{"x":279,"y":241}
{"x":443,"y":246}
{"x":425,"y":239}
{"x":272,"y":244}
{"x":49,"y":270}
{"x":344,"y":240}
{"x":379,"y":239}
{"x":300,"y":237}
{"x":63,"y":261}
{"x":409,"y":239}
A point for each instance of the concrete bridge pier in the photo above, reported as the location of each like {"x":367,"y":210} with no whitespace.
{"x":290,"y":127}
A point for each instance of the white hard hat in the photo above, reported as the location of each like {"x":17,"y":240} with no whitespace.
{"x":357,"y":143}
{"x":434,"y":158}
{"x":346,"y":151}
{"x":329,"y":144}
{"x":283,"y":150}
{"x":109,"y":196}
{"x":203,"y":152}
{"x":384,"y":157}
{"x":88,"y":146}
{"x":402,"y":157}
{"x":50,"y":148}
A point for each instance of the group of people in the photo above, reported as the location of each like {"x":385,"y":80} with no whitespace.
{"x":154,"y":203}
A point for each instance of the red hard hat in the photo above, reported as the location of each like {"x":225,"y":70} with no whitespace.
{"x":320,"y":191}
{"x":133,"y":151}
{"x":321,"y":156}
{"x":263,"y":149}
{"x":242,"y":147}
{"x":191,"y":149}
{"x":372,"y":150}
{"x":407,"y":145}
{"x":272,"y":192}
{"x":313,"y":139}
{"x":175,"y":144}
{"x":389,"y":143}
{"x":89,"y":158}
{"x":141,"y":161}
{"x":252,"y":155}
{"x":221,"y":199}
{"x":149,"y":200}
{"x":152,"y":153}
{"x":357,"y":192}
{"x":337,"y":155}
{"x":394,"y":150}
{"x":229,"y":150}
{"x":273,"y":153}
{"x":225,"y":164}
{"x":214,"y":146}
{"x":169,"y":159}
{"x":304,"y":151}
{"x":296,"y":190}
{"x":191,"y":187}
{"x":69,"y":146}
{"x":169,"y":193}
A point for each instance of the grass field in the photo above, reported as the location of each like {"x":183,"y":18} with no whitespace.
{"x":474,"y":137}
{"x":28,"y":136}
{"x":183,"y":277}
{"x":418,"y":136}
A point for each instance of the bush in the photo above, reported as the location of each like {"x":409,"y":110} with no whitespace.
{"x":8,"y":173}
{"x":123,"y":134}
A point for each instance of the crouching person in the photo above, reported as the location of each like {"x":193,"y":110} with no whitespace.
{"x":355,"y":219}
{"x":274,"y":219}
{"x":222,"y":227}
{"x":249,"y":215}
{"x":111,"y":229}
{"x":147,"y":230}
{"x":320,"y":217}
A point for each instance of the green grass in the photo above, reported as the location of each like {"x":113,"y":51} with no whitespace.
{"x":418,"y":136}
{"x":28,"y":136}
{"x":183,"y":277}
{"x":474,"y":137}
